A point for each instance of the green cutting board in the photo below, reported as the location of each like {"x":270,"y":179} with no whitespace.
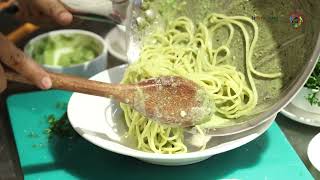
{"x":268,"y":157}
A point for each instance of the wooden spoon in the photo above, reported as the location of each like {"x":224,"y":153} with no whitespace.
{"x":170,"y":100}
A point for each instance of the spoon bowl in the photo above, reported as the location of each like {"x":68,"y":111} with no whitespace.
{"x":174,"y":101}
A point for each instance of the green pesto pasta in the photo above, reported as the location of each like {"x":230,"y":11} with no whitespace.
{"x":185,"y":49}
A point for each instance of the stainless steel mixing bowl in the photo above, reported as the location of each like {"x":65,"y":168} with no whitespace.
{"x":283,"y":44}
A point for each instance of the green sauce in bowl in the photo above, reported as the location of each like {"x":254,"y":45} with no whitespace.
{"x":64,"y":49}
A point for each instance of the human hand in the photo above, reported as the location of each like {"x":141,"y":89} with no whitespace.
{"x":14,"y":58}
{"x":44,"y":12}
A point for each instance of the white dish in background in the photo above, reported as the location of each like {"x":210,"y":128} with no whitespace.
{"x":99,"y":121}
{"x":300,"y":115}
{"x":313,"y":152}
{"x":116,"y":43}
{"x":301,"y":111}
{"x":301,"y":102}
{"x":86,"y":69}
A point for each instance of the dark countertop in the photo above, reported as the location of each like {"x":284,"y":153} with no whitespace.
{"x":299,"y":135}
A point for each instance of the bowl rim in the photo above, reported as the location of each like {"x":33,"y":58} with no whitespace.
{"x":71,"y":31}
{"x":128,"y":151}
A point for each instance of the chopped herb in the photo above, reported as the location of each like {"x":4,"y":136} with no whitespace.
{"x":47,"y":131}
{"x":33,"y":135}
{"x":314,"y":83}
{"x":61,"y":105}
{"x":40,"y":145}
{"x":60,"y":127}
{"x":51,"y":119}
{"x":313,"y":99}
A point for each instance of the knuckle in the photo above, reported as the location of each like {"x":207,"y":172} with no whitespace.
{"x":16,"y":59}
{"x":11,"y":56}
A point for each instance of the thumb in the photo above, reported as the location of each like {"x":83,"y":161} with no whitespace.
{"x":55,"y":10}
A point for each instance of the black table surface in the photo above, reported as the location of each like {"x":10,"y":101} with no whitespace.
{"x":299,"y":135}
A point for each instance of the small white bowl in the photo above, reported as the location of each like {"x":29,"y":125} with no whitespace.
{"x":116,"y":43}
{"x":86,"y":69}
{"x":301,"y":102}
{"x":99,"y":120}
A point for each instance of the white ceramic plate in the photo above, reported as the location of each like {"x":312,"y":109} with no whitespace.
{"x":301,"y":102}
{"x":100,"y":121}
{"x":313,"y":152}
{"x":116,"y":43}
{"x":300,"y":115}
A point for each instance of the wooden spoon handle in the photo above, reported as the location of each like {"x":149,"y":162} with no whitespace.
{"x":75,"y":84}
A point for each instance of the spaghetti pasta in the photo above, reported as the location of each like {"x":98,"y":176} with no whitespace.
{"x":187,"y":50}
